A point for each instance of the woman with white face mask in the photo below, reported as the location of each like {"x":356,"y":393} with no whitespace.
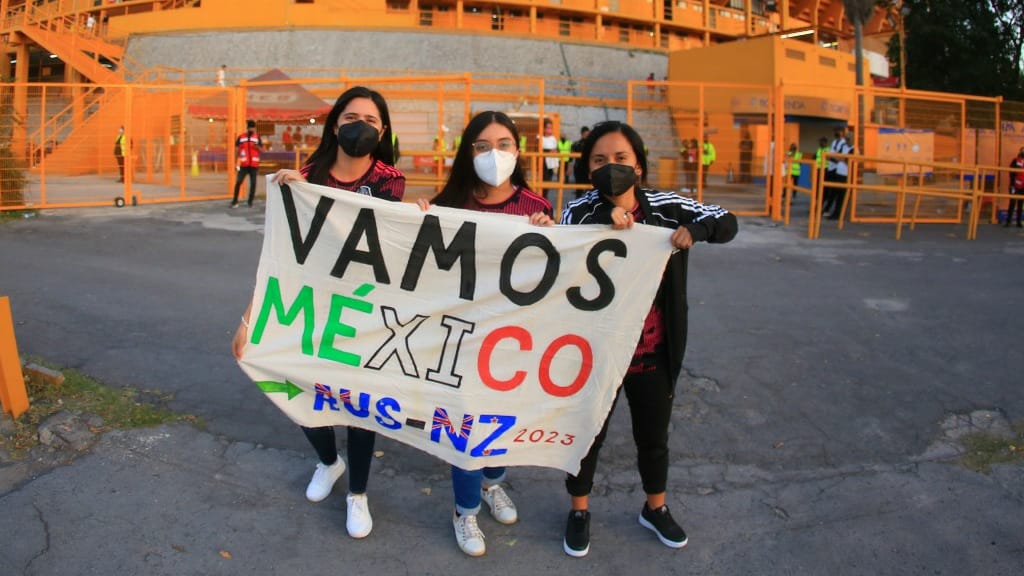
{"x":486,"y":177}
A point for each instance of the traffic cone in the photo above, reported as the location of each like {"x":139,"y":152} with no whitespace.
{"x":195,"y":163}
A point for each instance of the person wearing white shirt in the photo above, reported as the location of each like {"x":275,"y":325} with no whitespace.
{"x":836,"y":170}
{"x":549,"y":144}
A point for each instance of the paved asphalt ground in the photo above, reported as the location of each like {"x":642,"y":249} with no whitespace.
{"x":810,"y":436}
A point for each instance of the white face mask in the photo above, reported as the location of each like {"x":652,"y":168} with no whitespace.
{"x":494,"y":167}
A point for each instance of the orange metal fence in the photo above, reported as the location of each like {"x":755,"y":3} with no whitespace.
{"x":57,"y":140}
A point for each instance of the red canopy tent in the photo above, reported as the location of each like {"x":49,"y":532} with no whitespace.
{"x":276,"y":102}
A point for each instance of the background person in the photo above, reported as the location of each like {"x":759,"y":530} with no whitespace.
{"x":564,"y":148}
{"x":486,"y":177}
{"x":354,"y":154}
{"x":287,"y":141}
{"x":836,"y":171}
{"x":1016,"y":188}
{"x":247,"y":159}
{"x":707,"y":158}
{"x":614,"y":162}
{"x":576,"y":147}
{"x":792,"y":156}
{"x":549,"y":145}
{"x":120,"y":151}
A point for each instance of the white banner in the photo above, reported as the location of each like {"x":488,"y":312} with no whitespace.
{"x":476,"y":337}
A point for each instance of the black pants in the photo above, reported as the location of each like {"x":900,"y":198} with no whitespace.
{"x":360,"y":452}
{"x":650,"y":408}
{"x":120,"y":166}
{"x":833,"y":195}
{"x":550,"y":194}
{"x":242,"y":172}
{"x":1017,"y":204}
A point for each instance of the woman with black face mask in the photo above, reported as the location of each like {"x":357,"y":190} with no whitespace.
{"x":355,"y":153}
{"x":613,"y":161}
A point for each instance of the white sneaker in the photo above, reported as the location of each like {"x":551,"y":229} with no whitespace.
{"x":358,"y":521}
{"x":323,"y":479}
{"x":502,"y":508}
{"x":468,"y":535}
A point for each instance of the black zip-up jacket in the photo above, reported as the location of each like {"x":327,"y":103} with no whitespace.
{"x":705,"y":222}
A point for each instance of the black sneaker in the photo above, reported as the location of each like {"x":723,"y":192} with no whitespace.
{"x":577,"y":534}
{"x":661,"y":523}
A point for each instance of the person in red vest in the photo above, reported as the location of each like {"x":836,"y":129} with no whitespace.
{"x":1016,"y":189}
{"x":287,"y":140}
{"x":247,"y":150}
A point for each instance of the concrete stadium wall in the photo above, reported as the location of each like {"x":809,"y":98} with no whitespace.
{"x":393,"y":50}
{"x":411,"y":51}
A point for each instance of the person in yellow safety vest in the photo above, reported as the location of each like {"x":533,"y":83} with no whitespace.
{"x":819,"y":156}
{"x":439,"y":146}
{"x":565,"y":148}
{"x":794,"y":168}
{"x":707,"y":158}
{"x":120,"y":151}
{"x":394,"y":145}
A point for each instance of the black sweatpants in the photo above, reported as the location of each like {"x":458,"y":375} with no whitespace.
{"x":1015,"y":204}
{"x":252,"y":172}
{"x":832,"y":200}
{"x":650,"y":407}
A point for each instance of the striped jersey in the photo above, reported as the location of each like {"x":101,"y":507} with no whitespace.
{"x":522,"y":202}
{"x":380,"y":181}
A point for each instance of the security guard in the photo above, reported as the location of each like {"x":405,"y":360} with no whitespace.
{"x":794,"y":167}
{"x":707,"y":158}
{"x":565,"y":148}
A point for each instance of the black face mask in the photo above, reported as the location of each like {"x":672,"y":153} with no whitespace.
{"x":358,"y":138}
{"x":613,"y":179}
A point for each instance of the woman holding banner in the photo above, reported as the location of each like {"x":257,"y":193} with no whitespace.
{"x":486,"y":177}
{"x":355,"y":153}
{"x":613,"y":161}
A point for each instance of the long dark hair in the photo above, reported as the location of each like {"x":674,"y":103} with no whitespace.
{"x":321,"y":160}
{"x":582,"y":166}
{"x":462,"y":179}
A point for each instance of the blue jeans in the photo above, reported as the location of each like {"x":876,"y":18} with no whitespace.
{"x":467,"y":484}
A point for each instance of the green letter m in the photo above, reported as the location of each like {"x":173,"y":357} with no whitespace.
{"x":303,"y":304}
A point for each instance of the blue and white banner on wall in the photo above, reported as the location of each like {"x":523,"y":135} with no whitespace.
{"x":475,"y":337}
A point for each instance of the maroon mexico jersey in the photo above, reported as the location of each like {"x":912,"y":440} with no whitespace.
{"x":522,"y":202}
{"x":380,"y":181}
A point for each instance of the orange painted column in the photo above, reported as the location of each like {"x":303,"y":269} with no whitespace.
{"x":12,"y":382}
{"x":19,"y":142}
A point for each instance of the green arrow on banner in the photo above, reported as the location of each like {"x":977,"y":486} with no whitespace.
{"x":269,"y":387}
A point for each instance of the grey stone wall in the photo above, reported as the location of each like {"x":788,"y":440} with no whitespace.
{"x":395,"y":51}
{"x":416,"y":51}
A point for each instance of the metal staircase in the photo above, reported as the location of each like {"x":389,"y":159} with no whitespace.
{"x":78,"y":48}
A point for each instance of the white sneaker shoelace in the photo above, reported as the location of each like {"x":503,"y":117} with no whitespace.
{"x":468,"y":535}
{"x":502,"y":508}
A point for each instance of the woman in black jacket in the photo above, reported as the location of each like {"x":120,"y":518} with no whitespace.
{"x":614,"y":162}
